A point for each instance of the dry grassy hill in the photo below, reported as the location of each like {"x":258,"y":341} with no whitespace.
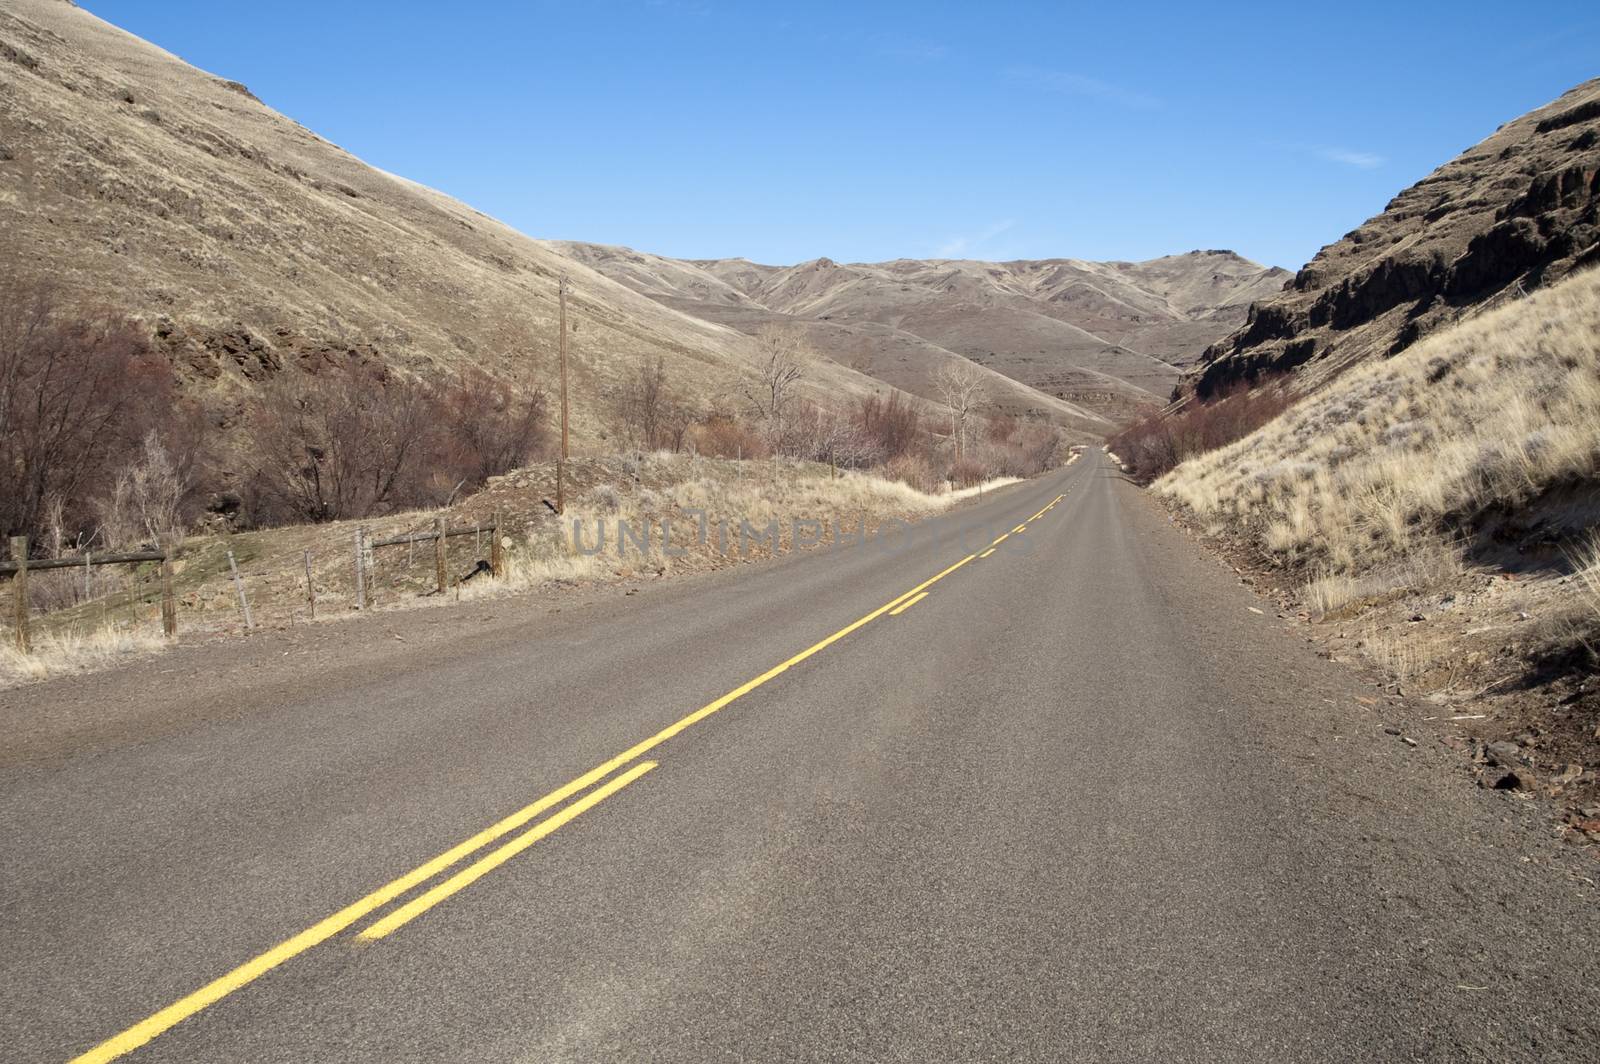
{"x":251,"y":246}
{"x":1515,"y":212}
{"x":1104,"y":337}
{"x":1437,"y":514}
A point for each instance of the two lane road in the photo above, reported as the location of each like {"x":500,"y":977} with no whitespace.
{"x":1038,"y":786}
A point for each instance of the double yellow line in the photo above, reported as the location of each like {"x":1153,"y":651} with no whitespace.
{"x":246,"y":973}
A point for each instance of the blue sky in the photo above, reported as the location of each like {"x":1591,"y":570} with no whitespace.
{"x":783,"y":132}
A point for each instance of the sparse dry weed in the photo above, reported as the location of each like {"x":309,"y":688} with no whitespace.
{"x":58,"y":654}
{"x":1586,"y":570}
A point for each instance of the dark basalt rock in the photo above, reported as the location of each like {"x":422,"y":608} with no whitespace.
{"x":1518,"y":211}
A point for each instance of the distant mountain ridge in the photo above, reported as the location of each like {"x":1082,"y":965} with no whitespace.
{"x":1103,"y":335}
{"x":1518,"y":211}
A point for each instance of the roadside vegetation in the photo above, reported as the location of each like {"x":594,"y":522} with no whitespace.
{"x":1462,"y":443}
{"x":1157,"y":441}
{"x":750,"y":512}
{"x":103,"y":448}
{"x":102,"y":445}
{"x":1437,"y":514}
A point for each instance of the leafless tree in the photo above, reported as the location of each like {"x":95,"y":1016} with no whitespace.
{"x":893,"y":426}
{"x":356,"y":443}
{"x":78,"y":391}
{"x":783,"y":360}
{"x":640,"y":403}
{"x":961,"y":384}
{"x":493,"y":427}
{"x":650,"y":414}
{"x":146,"y":501}
{"x":340,"y":445}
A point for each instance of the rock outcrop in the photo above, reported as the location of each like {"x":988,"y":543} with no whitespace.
{"x":1516,"y":212}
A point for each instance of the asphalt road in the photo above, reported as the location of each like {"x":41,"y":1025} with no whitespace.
{"x":1082,"y":801}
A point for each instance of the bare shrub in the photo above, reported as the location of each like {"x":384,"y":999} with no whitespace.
{"x":965,"y":472}
{"x":78,"y":392}
{"x":1158,"y":441}
{"x":1015,"y":448}
{"x":650,"y":414}
{"x":915,"y":471}
{"x":890,"y":427}
{"x":817,"y":435}
{"x":725,"y":436}
{"x":490,"y":428}
{"x":339,"y":445}
{"x":365,"y":442}
{"x":145,"y":502}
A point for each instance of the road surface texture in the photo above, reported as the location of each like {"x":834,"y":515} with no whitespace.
{"x":1079,"y":802}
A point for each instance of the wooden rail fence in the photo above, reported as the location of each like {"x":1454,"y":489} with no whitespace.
{"x":439,"y":537}
{"x":21,"y":565}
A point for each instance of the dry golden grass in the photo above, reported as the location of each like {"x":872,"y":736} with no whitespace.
{"x":540,"y":552}
{"x":1586,"y":566}
{"x":1370,"y":472}
{"x":641,"y":491}
{"x":1332,"y":593}
{"x":58,"y":654}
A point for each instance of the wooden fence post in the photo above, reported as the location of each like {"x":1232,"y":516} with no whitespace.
{"x":169,"y":600}
{"x":361,"y":570}
{"x":496,"y":556}
{"x":438,"y":552}
{"x":19,"y":589}
{"x":238,"y":585}
{"x":311,"y":588}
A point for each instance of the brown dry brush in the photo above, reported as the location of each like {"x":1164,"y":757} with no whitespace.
{"x":726,"y":435}
{"x":1160,"y":440}
{"x":649,"y":414}
{"x":892,"y":426}
{"x":364,"y":442}
{"x":100,"y":449}
{"x":83,"y":398}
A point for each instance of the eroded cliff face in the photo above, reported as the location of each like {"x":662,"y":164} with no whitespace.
{"x":1516,"y":212}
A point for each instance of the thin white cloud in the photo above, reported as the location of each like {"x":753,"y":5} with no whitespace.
{"x":960,"y":246}
{"x":1082,"y":85}
{"x":1362,"y":160}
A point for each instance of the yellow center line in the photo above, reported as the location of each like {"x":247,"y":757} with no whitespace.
{"x":1002,"y":539}
{"x":167,"y":1018}
{"x":1048,"y":506}
{"x":988,"y":552}
{"x":907,"y":604}
{"x":484,"y":865}
{"x":1020,"y":528}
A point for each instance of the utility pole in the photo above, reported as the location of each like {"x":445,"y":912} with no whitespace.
{"x":561,"y":461}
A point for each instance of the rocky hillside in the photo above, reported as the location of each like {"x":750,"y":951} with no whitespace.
{"x":1516,"y":212}
{"x":1105,"y":336}
{"x":250,"y":246}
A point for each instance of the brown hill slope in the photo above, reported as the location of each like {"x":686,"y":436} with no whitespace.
{"x":252,"y":246}
{"x":898,"y":357}
{"x":1518,"y":211}
{"x":1104,"y":336}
